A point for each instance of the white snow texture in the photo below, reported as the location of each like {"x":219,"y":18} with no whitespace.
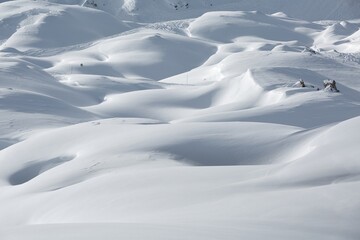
{"x":179,"y":119}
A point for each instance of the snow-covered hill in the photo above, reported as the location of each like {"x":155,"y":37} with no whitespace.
{"x":170,"y":119}
{"x":156,"y":10}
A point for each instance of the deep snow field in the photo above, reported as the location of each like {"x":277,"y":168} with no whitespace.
{"x":175,"y":119}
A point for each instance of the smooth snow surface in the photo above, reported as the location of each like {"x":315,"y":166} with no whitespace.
{"x":164,"y":119}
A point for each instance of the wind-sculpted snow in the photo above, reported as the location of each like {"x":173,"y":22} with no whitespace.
{"x":201,"y":121}
{"x":52,"y":26}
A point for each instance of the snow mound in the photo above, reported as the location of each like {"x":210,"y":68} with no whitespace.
{"x":43,"y":26}
{"x":226,"y":27}
{"x":339,"y":164}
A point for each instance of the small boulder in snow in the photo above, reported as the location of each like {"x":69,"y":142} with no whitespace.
{"x":330,"y":85}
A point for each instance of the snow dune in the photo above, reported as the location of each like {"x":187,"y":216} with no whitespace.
{"x":161,"y":120}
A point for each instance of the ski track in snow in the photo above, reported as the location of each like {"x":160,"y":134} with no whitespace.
{"x":142,"y":120}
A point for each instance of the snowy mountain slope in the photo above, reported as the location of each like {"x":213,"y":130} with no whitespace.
{"x":191,"y":126}
{"x":47,"y":26}
{"x":160,"y":10}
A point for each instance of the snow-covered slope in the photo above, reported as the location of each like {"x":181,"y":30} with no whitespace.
{"x":162,"y":120}
{"x":156,"y":10}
